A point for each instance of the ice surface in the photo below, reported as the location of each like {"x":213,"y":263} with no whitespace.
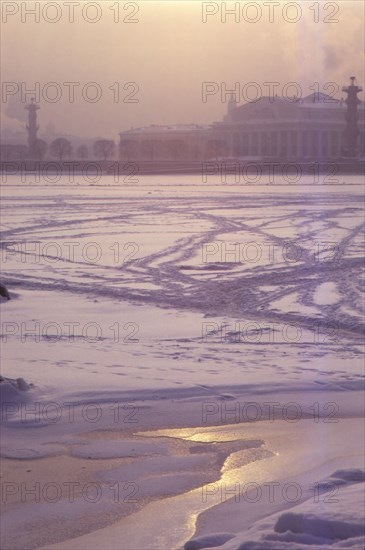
{"x":115,"y":449}
{"x":193,"y":327}
{"x":326,"y":293}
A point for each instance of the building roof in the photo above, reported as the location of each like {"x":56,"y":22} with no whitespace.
{"x":315,"y":106}
{"x":319,"y":98}
{"x":172,"y":128}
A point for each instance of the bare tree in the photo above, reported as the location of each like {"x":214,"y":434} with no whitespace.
{"x":82,"y":152}
{"x":104,"y":148}
{"x":60,"y":148}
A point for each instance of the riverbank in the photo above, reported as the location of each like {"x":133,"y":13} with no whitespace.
{"x":229,"y":167}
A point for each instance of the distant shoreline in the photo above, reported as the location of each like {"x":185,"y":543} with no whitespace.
{"x":228,"y":167}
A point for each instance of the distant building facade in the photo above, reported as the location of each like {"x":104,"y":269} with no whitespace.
{"x":170,"y":142}
{"x":270,"y":128}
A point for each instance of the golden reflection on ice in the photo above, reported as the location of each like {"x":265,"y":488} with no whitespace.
{"x":239,"y":468}
{"x":203,"y":434}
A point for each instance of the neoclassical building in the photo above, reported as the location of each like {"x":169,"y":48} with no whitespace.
{"x":310,"y":128}
{"x":270,"y":128}
{"x":173,"y":142}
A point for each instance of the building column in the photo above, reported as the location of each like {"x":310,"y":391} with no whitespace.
{"x":293,"y":144}
{"x":231,"y":144}
{"x":248,"y":144}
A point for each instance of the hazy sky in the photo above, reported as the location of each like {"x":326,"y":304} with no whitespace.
{"x":169,"y":53}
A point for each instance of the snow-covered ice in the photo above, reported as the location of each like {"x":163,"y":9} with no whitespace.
{"x":171,"y":305}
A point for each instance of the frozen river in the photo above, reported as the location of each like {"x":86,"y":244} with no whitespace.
{"x":169,"y":284}
{"x":191,"y":317}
